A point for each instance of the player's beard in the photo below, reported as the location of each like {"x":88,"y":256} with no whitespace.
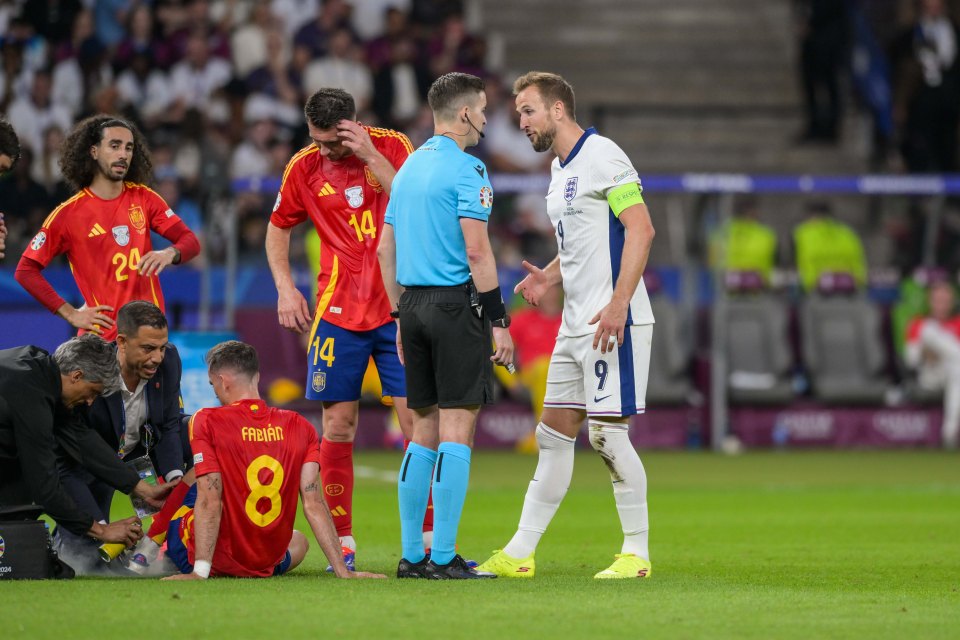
{"x":109,"y":173}
{"x":543,"y":140}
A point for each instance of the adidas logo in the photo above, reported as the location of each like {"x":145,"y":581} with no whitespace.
{"x":327,"y":190}
{"x":338,"y":511}
{"x":97,"y":230}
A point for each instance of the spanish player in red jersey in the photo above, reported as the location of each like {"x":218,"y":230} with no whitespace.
{"x":104,"y":229}
{"x":341,"y":183}
{"x":251,"y":461}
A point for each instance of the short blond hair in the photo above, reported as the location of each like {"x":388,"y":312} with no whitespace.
{"x":551,"y":87}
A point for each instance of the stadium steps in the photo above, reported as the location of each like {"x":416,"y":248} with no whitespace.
{"x":689,"y":85}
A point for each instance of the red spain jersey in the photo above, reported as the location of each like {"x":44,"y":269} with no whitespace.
{"x":258,"y":452}
{"x":346,"y":203}
{"x":104,"y":241}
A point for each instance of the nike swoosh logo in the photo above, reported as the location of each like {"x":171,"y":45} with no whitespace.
{"x":479,"y":170}
{"x":596,"y":399}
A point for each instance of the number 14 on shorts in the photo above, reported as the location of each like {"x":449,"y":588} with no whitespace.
{"x":324,"y":352}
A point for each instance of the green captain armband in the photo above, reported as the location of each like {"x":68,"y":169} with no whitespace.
{"x":624,"y":196}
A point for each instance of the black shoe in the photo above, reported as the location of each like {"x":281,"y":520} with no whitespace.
{"x":456,"y":569}
{"x":407,"y":569}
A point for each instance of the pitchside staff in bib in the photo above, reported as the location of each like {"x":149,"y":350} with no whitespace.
{"x":104,"y":229}
{"x":599,"y":366}
{"x":434,"y":239}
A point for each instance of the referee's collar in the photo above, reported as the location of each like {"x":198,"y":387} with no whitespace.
{"x":576,"y":148}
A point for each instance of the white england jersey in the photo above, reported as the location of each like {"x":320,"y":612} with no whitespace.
{"x":590,"y":238}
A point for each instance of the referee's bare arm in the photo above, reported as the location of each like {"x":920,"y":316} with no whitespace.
{"x":483,"y":268}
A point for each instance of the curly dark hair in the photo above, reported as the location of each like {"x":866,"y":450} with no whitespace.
{"x":78,"y":165}
{"x":9,"y":143}
{"x":328,"y":106}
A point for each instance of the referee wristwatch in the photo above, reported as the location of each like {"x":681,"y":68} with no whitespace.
{"x":503,"y":323}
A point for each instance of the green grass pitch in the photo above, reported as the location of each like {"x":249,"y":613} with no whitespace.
{"x":764,"y":545}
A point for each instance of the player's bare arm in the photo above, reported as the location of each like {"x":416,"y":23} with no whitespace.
{"x":538,"y":281}
{"x":92,"y":319}
{"x":318,"y":515}
{"x":292,"y":308}
{"x":611,"y":319}
{"x":483,"y":268}
{"x":206,"y":526}
{"x":387,"y":256}
{"x":357,"y":139}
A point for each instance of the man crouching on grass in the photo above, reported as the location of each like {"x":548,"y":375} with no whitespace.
{"x":250,"y":460}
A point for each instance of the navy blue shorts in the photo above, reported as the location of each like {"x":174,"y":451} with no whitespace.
{"x":338,"y":358}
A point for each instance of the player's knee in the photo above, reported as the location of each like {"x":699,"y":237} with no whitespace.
{"x":298,"y":548}
{"x":603,"y":435}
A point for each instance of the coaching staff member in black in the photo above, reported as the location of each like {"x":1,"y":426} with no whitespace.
{"x":142,"y":418}
{"x":435,"y":245}
{"x":38,"y":395}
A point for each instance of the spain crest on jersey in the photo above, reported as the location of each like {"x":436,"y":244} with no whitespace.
{"x":354,"y":196}
{"x":319,"y":381}
{"x":372,"y":180}
{"x":570,"y":189}
{"x":122,"y":235}
{"x":137,"y":219}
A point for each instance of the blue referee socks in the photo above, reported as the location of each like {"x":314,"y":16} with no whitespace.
{"x":450,"y":481}
{"x":416,"y":473}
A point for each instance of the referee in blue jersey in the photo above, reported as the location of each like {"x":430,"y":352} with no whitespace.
{"x":435,"y":250}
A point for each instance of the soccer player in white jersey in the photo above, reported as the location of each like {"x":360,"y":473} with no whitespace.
{"x":599,"y":366}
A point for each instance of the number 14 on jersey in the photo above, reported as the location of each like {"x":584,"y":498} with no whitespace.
{"x":365,"y":227}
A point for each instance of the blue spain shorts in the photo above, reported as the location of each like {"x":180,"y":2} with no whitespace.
{"x":177,"y":550}
{"x":338,"y":358}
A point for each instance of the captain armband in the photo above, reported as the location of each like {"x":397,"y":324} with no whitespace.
{"x":624,"y":196}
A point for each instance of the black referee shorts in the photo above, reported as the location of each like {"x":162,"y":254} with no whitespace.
{"x":446,"y":349}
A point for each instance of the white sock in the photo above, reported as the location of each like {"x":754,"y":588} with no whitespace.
{"x":349,"y":543}
{"x":629,"y":484}
{"x":545,"y":492}
{"x":427,"y":539}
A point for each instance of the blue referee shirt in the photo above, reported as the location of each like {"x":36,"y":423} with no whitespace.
{"x":436,"y":186}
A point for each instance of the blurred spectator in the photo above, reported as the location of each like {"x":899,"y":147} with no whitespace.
{"x":168,"y":186}
{"x":77,"y":78}
{"x":341,"y":67}
{"x":138,"y":37}
{"x":45,"y":168}
{"x":453,"y":49}
{"x":195,"y":79}
{"x":532,"y":228}
{"x":927,"y":90}
{"x":294,"y":14}
{"x":277,"y":81}
{"x":826,"y":246}
{"x":144,"y":90}
{"x":379,"y":49}
{"x":398,"y":85}
{"x":15,"y":78}
{"x":83,"y":29}
{"x":35,"y":47}
{"x":111,"y":18}
{"x":23,"y":201}
{"x":315,"y":35}
{"x":746,"y":244}
{"x":249,"y":42}
{"x":824,"y":39}
{"x":32,"y":114}
{"x":933,"y":349}
{"x":52,"y":19}
{"x":251,"y":158}
{"x":370,"y":18}
{"x":432,"y":13}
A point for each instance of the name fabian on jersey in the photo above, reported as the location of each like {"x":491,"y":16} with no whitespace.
{"x":267,"y":434}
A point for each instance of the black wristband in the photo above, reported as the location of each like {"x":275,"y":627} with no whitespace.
{"x":395,"y":314}
{"x":492,"y":303}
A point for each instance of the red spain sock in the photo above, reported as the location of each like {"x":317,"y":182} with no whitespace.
{"x":158,"y":528}
{"x":336,"y":476}
{"x":428,"y":516}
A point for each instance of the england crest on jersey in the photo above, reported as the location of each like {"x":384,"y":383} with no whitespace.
{"x":122,"y":235}
{"x":354,"y":196}
{"x":570,"y":189}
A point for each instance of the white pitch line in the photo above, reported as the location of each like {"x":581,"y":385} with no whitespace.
{"x":377,"y":474}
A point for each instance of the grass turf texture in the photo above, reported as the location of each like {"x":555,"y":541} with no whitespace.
{"x":765,"y":545}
